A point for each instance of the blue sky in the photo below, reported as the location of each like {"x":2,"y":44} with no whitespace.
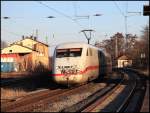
{"x":27,"y":16}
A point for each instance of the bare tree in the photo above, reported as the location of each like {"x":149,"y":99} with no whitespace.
{"x":137,"y":48}
{"x":110,"y":45}
{"x":145,"y":45}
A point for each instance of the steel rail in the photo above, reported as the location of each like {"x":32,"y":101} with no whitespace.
{"x":85,"y":105}
{"x":134,"y":87}
{"x":138,"y":89}
{"x":86,"y":102}
{"x":27,"y":98}
{"x":126,"y":101}
{"x":47,"y":99}
{"x":104,"y":97}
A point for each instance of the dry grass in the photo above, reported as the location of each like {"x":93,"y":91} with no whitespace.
{"x":11,"y":93}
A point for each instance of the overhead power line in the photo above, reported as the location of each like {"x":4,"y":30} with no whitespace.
{"x":16,"y":34}
{"x":75,"y":8}
{"x":13,"y":21}
{"x":59,"y":13}
{"x":119,"y":9}
{"x":125,"y":19}
{"x":126,"y":7}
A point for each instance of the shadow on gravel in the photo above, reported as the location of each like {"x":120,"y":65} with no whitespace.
{"x":39,"y":81}
{"x":134,"y":103}
{"x":107,"y":80}
{"x":110,"y":80}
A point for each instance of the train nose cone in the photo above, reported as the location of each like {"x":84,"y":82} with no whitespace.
{"x":68,"y":69}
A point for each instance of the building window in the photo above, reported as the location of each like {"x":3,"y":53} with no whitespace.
{"x":10,"y":50}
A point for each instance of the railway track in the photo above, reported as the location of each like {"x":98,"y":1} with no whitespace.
{"x":88,"y":104}
{"x":118,"y":98}
{"x":23,"y":100}
{"x":30,"y":103}
{"x":126,"y":95}
{"x":134,"y":100}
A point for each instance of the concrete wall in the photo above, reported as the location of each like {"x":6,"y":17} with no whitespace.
{"x":25,"y":62}
{"x":40,"y":57}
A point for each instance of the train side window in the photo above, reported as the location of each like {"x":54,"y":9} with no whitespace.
{"x":87,"y":53}
{"x":90,"y":51}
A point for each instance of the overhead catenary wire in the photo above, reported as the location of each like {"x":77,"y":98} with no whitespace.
{"x":125,"y":19}
{"x":126,"y":7}
{"x":16,"y":34}
{"x":119,"y":8}
{"x":22,"y":26}
{"x":61,"y":13}
{"x":75,"y":8}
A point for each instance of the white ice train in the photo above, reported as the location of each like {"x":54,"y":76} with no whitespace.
{"x":78,"y":63}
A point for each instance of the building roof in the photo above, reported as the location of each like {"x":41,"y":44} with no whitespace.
{"x":123,"y":57}
{"x":25,"y":47}
{"x":19,"y":45}
{"x":33,"y":40}
{"x":20,"y":49}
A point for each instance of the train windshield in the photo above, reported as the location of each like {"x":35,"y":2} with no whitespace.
{"x":70,"y":52}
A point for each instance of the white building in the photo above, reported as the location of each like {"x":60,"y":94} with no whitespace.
{"x":124,"y":61}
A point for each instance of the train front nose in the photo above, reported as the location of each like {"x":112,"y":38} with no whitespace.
{"x":68,"y":79}
{"x":68,"y":74}
{"x":67,"y":65}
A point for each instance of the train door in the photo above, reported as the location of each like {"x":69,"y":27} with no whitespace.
{"x":102,"y":64}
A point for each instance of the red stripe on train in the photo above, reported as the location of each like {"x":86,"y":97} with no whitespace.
{"x":81,"y":72}
{"x":56,"y":74}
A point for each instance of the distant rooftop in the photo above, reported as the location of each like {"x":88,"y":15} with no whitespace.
{"x":32,"y":38}
{"x":124,"y":57}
